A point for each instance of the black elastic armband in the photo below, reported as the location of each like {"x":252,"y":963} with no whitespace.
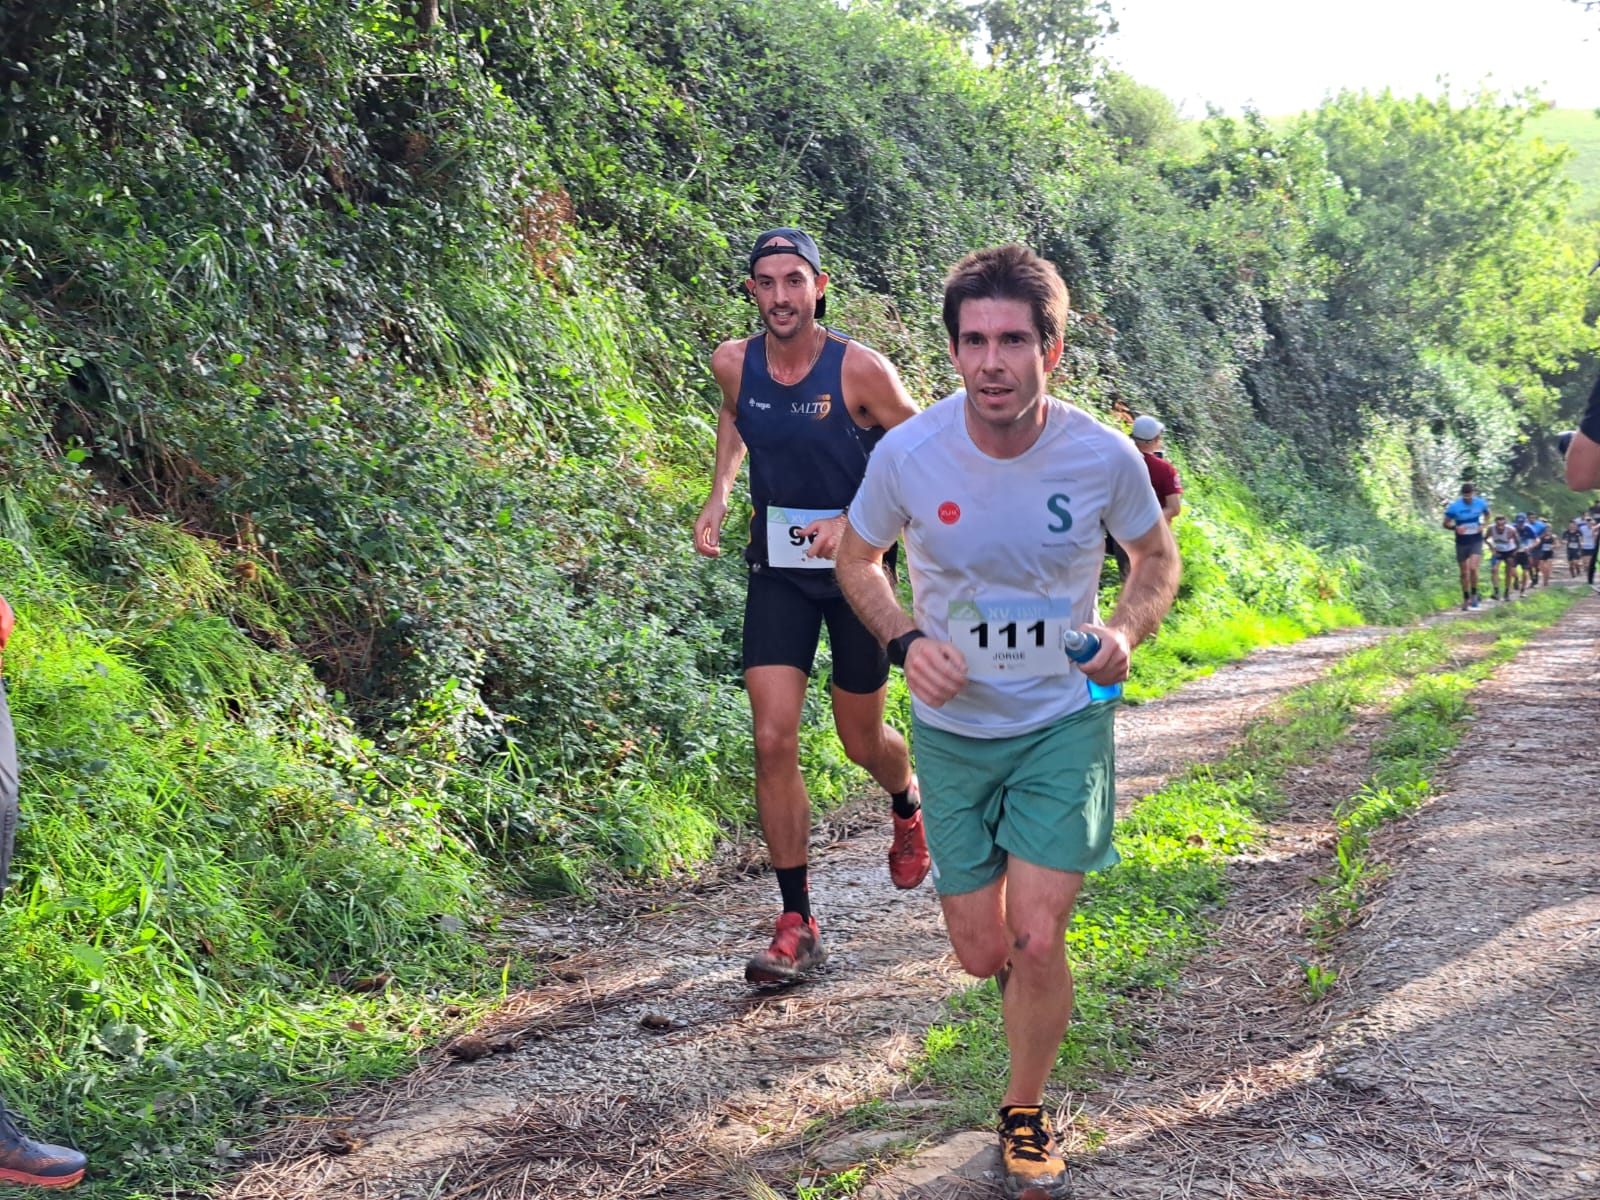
{"x":898,"y":646}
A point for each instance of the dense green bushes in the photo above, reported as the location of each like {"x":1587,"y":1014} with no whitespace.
{"x":356,"y":417}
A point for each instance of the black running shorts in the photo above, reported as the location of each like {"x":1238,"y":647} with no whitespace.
{"x":1468,"y":547}
{"x":783,"y":622}
{"x":1521,"y":559}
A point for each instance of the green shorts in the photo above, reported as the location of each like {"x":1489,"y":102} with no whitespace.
{"x":1049,"y":797}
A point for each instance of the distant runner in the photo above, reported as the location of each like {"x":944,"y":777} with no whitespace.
{"x":1466,"y":516}
{"x":1547,"y":551}
{"x":1527,"y":540}
{"x":1574,"y":543}
{"x":1147,"y":432}
{"x":1002,"y":493}
{"x":1503,"y":545}
{"x":1588,"y":532}
{"x":23,"y":1161}
{"x":810,"y":405}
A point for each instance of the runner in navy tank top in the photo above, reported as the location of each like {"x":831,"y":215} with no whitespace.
{"x":808,"y":404}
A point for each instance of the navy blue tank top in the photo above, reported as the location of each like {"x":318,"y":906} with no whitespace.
{"x":805,"y":450}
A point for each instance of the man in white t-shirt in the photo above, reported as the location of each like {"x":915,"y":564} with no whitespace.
{"x":1002,"y":493}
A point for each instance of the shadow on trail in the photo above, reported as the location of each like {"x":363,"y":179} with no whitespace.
{"x":1460,"y":1069}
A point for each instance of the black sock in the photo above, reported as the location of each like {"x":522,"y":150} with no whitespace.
{"x":796,"y":893}
{"x":903,"y":807}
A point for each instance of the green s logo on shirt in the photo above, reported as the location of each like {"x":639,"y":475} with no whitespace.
{"x":1058,"y":505}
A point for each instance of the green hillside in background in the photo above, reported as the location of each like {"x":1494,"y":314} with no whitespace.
{"x":354,"y":416}
{"x":1578,"y":128}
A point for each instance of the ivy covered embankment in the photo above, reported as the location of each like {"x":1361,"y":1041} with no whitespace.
{"x":355,"y":419}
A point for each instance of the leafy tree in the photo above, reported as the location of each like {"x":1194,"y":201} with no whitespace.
{"x":1135,"y":115}
{"x":1051,"y":41}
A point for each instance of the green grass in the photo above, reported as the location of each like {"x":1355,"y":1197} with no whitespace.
{"x":1139,"y":922}
{"x":1425,"y":723}
{"x":1249,"y":581}
{"x":209,"y":857}
{"x":1578,"y":128}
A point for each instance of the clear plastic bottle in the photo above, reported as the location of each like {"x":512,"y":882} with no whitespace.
{"x":1081,"y":646}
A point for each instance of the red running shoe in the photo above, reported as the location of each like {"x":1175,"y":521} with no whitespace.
{"x":908,"y":853}
{"x":796,"y":948}
{"x":35,"y":1164}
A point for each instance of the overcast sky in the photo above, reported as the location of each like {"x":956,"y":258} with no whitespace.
{"x":1281,"y":56}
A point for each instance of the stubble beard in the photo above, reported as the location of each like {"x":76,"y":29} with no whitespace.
{"x":1028,"y":413}
{"x":801,"y":328}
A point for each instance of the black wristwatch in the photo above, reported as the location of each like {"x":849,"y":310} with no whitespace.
{"x":898,"y":646}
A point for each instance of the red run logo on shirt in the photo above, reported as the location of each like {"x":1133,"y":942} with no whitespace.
{"x":949,"y":512}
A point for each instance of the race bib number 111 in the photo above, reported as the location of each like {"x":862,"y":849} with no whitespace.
{"x":1011,"y":639}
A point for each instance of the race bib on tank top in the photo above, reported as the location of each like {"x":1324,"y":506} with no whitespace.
{"x":786,"y":540}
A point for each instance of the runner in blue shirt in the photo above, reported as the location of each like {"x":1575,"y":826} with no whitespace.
{"x":1466,"y":516}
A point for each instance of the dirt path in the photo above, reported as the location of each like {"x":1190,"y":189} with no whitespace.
{"x":647,"y":1067}
{"x":1459,"y":1053}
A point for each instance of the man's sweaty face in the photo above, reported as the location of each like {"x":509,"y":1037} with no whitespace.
{"x":785,"y":292}
{"x":1001,"y":359}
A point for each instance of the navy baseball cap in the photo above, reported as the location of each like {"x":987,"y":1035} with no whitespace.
{"x":799,"y":242}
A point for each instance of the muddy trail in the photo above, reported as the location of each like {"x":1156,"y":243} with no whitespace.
{"x":646,"y":1066}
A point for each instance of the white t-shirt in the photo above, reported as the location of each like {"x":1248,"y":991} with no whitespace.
{"x":1005,"y":553}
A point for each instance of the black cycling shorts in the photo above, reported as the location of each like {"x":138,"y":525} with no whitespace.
{"x":1468,"y":547}
{"x":783,"y":622}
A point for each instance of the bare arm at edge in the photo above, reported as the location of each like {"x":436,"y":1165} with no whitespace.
{"x":1153,"y":572}
{"x":1171,"y":506}
{"x":1583,"y":463}
{"x":875,"y":396}
{"x":935,"y":670}
{"x":727,"y":362}
{"x":8,"y":622}
{"x":873,"y":390}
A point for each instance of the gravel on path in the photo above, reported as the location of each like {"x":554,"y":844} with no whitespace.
{"x":1459,"y":1055}
{"x":648,"y":1065}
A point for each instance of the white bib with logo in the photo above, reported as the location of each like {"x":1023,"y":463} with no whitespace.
{"x":787,"y":545}
{"x":1011,"y":639}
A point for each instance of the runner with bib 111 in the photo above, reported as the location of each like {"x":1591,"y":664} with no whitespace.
{"x":1004,"y":495}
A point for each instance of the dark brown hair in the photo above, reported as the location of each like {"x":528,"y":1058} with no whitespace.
{"x":1011,"y":272}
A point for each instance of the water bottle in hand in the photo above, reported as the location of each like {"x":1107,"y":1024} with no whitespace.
{"x":1081,"y":646}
